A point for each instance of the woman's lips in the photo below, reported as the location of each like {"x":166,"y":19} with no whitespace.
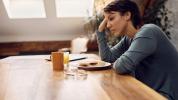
{"x":112,"y":30}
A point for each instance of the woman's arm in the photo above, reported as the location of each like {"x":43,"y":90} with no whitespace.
{"x":143,"y":45}
{"x":106,"y":53}
{"x":102,"y":26}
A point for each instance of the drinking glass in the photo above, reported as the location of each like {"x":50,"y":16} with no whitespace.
{"x":66,"y":60}
{"x":68,"y":70}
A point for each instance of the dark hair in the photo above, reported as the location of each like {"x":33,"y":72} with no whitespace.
{"x":124,"y":6}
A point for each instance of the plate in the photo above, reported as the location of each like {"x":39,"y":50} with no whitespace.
{"x":92,"y":65}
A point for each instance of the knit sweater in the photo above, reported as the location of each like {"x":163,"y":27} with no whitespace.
{"x":149,"y":55}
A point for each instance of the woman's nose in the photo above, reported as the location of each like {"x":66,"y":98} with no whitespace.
{"x":108,"y":25}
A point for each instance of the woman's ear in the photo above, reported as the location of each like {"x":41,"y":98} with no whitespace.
{"x":127,"y":16}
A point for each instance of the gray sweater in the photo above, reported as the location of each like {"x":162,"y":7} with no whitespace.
{"x":149,"y":55}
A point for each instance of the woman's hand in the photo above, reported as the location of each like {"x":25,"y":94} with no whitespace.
{"x":102,"y":26}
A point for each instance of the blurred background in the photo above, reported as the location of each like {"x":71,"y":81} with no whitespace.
{"x":29,"y":27}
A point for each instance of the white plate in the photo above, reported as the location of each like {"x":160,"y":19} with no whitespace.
{"x":91,"y":64}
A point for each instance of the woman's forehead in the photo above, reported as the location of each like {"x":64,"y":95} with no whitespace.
{"x":107,"y":14}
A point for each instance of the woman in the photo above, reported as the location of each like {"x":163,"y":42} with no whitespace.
{"x":144,"y":51}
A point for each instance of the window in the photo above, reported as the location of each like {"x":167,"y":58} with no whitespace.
{"x":74,"y":8}
{"x":25,"y":8}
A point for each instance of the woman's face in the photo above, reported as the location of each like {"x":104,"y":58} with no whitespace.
{"x":116,"y":23}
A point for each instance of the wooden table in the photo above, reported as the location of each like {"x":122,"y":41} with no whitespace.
{"x":32,"y":78}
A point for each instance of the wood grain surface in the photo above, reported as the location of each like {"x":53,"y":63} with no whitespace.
{"x":32,"y":78}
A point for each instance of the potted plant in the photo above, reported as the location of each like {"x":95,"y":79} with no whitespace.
{"x":158,"y":14}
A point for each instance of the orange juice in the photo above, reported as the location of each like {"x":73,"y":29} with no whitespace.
{"x":66,"y":57}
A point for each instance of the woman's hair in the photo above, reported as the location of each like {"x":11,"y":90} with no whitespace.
{"x":124,"y":6}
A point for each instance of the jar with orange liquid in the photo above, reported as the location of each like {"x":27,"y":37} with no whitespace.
{"x":57,"y":61}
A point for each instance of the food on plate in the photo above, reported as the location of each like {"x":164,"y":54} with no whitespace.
{"x":87,"y":64}
{"x":83,"y":64}
{"x":93,"y":63}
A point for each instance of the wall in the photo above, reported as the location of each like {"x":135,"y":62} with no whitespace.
{"x":47,"y":29}
{"x":55,"y":29}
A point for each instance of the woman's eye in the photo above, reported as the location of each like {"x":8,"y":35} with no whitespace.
{"x":111,"y":18}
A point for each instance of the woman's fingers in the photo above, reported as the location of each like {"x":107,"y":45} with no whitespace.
{"x":102,"y":26}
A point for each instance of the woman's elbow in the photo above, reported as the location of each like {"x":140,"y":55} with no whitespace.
{"x":120,"y":72}
{"x":120,"y":69}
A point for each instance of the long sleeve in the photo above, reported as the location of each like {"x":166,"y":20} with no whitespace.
{"x":142,"y":46}
{"x":109,"y":54}
{"x":150,"y":57}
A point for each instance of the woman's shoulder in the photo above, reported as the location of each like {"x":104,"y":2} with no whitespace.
{"x":148,"y":30}
{"x":151,"y":27}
